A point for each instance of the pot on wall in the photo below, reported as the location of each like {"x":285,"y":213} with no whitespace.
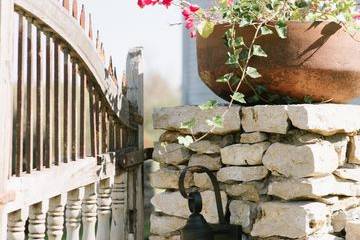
{"x":320,"y":60}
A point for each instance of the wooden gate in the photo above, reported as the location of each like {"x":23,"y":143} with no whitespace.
{"x":71,"y":135}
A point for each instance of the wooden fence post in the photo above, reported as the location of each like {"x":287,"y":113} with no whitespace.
{"x":6,"y":116}
{"x":135,"y":76}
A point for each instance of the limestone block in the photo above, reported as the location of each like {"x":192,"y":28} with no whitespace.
{"x":340,"y":218}
{"x":165,"y":225}
{"x":172,"y":154}
{"x":172,"y":118}
{"x":254,"y":137}
{"x":348,"y":173}
{"x":242,"y":174}
{"x":250,"y":191}
{"x":320,"y":236}
{"x":345,"y":203}
{"x":243,"y":213}
{"x":301,"y":161}
{"x":212,"y":144}
{"x":168,"y":178}
{"x":271,"y":119}
{"x":340,"y":143}
{"x":175,"y":237}
{"x":172,"y":203}
{"x":325,"y":119}
{"x":202,"y":181}
{"x":244,"y":154}
{"x":212,"y":162}
{"x":292,"y":220}
{"x":169,"y":137}
{"x":354,"y":150}
{"x":352,"y":230}
{"x":312,"y":188}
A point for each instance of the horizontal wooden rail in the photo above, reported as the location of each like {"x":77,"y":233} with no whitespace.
{"x":54,"y":18}
{"x":36,"y":187}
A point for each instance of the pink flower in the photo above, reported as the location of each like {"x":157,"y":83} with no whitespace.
{"x":186,"y":13}
{"x":189,"y":23}
{"x":357,"y":16}
{"x":141,"y":3}
{"x":230,"y":2}
{"x":194,"y":8}
{"x":166,"y":3}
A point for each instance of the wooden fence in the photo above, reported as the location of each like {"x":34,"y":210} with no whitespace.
{"x":71,"y":134}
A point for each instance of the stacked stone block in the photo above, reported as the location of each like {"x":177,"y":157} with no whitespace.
{"x":285,"y":172}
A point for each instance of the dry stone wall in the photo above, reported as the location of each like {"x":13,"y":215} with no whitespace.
{"x":285,"y":172}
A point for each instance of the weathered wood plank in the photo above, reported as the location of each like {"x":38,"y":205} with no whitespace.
{"x":82,"y":116}
{"x":64,"y":178}
{"x":39,"y":135}
{"x":57,"y":128}
{"x":6,"y":93}
{"x":104,"y":210}
{"x":30,"y":83}
{"x":49,"y":99}
{"x":21,"y":88}
{"x":92,"y":119}
{"x":74,"y":112}
{"x":54,"y":16}
{"x":134,"y":74}
{"x":66,"y":97}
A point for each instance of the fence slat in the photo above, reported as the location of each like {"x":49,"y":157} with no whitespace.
{"x":21,"y":88}
{"x":66,"y":98}
{"x":74,"y":112}
{"x":39,"y":149}
{"x":134,"y":76}
{"x":119,"y":206}
{"x":57,"y":127}
{"x":29,"y":143}
{"x":82,"y":116}
{"x":6,"y":93}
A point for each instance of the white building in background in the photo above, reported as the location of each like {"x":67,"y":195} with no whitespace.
{"x":194,"y":91}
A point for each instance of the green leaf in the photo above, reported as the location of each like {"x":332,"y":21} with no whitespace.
{"x":258,"y":51}
{"x":186,"y":141}
{"x":252,"y":72}
{"x":281,"y":29}
{"x":239,"y":97}
{"x":233,"y":59}
{"x":265,"y":30}
{"x":189,"y":124}
{"x":239,"y":42}
{"x":225,"y":78}
{"x":208,"y":105}
{"x":216,"y":121}
{"x":308,"y":100}
{"x":206,"y":28}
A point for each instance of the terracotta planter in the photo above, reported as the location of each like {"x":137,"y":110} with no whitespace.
{"x":319,"y":60}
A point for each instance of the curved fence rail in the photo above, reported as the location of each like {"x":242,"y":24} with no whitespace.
{"x":73,"y":167}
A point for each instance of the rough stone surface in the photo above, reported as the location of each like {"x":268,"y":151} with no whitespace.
{"x":242,"y":174}
{"x":202,"y":181}
{"x":250,"y":191}
{"x":172,"y":154}
{"x":312,"y":188}
{"x":172,"y":118}
{"x":243,"y":213}
{"x":169,"y":137}
{"x":254,"y":137}
{"x":301,"y":161}
{"x":345,"y":203}
{"x":340,"y":143}
{"x":176,"y":237}
{"x":339,"y":219}
{"x":292,"y":220}
{"x":320,"y":236}
{"x":353,"y":230}
{"x":354,"y":150}
{"x":165,"y":225}
{"x":325,"y":119}
{"x":211,"y":145}
{"x":172,"y":203}
{"x":212,"y":162}
{"x":349,"y":174}
{"x":244,"y":154}
{"x":168,"y":178}
{"x":271,"y":119}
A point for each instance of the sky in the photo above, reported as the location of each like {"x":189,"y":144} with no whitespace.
{"x":124,"y":25}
